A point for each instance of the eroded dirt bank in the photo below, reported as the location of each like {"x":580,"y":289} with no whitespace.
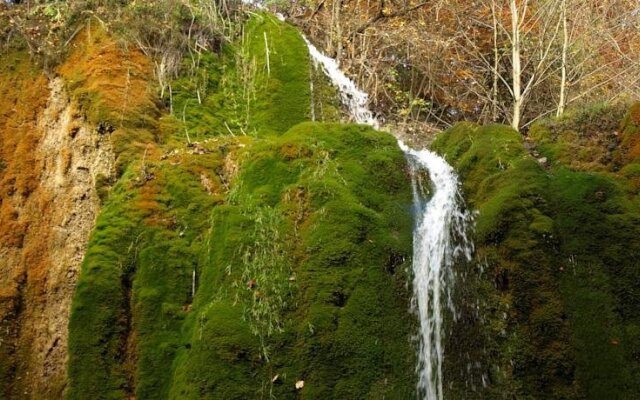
{"x":50,"y":162}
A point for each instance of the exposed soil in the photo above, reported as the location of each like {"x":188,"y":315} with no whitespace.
{"x":45,"y":227}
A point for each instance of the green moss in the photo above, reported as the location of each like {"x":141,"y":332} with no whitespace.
{"x":135,"y":288}
{"x":584,"y":140}
{"x":98,"y":318}
{"x":325,"y":98}
{"x":283,"y":91}
{"x":629,"y":151}
{"x":557,"y":247}
{"x":300,"y":310}
{"x":318,"y":219}
{"x":242,"y":90}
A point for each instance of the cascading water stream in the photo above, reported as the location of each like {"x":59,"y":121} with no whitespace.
{"x":439,"y":234}
{"x":439,"y":238}
{"x":353,"y":98}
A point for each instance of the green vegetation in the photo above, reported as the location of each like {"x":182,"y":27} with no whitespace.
{"x":291,"y":305}
{"x":242,"y":249}
{"x":226,"y":265}
{"x":257,"y":86}
{"x":303,"y":256}
{"x":581,"y":140}
{"x":165,"y":29}
{"x":557,"y":245}
{"x":325,"y":99}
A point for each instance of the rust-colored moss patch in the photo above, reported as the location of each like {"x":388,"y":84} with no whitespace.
{"x":23,"y":96}
{"x":630,"y":131}
{"x":113,"y":84}
{"x":634,"y":114}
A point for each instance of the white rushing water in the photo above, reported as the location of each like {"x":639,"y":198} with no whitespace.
{"x":439,"y":234}
{"x":353,"y":98}
{"x":439,"y":238}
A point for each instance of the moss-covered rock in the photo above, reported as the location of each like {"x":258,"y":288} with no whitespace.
{"x":585,"y":140}
{"x":258,"y":85}
{"x":300,"y":261}
{"x":630,"y":136}
{"x":555,"y":269}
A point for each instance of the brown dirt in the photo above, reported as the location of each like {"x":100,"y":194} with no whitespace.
{"x":51,"y":159}
{"x":57,"y":137}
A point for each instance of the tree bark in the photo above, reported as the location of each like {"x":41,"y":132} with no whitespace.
{"x":565,"y":45}
{"x":516,"y":66}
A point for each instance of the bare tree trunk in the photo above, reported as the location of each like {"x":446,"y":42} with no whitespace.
{"x":496,"y":62}
{"x":565,"y":45}
{"x":331,"y":35}
{"x":338,"y":27}
{"x":516,"y":66}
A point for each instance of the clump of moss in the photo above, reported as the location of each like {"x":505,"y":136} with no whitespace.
{"x":113,"y":88}
{"x":325,"y":99}
{"x":23,"y":97}
{"x":555,"y":283}
{"x":297,"y":259}
{"x":136,"y":282}
{"x":338,"y":222}
{"x":630,"y":136}
{"x":258,"y":85}
{"x":583,"y":140}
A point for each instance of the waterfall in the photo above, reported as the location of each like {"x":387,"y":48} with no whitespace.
{"x":439,"y":235}
{"x":439,"y":238}
{"x":353,"y":98}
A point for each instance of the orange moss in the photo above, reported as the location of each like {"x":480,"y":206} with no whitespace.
{"x":11,"y":230}
{"x":630,"y":136}
{"x":114,"y":86}
{"x":23,"y":96}
{"x":118,"y":77}
{"x":634,"y":114}
{"x":290,"y":151}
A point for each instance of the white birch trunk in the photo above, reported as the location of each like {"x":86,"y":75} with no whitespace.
{"x":516,"y":66}
{"x":565,"y":49}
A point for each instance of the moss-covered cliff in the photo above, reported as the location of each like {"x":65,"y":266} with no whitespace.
{"x":226,"y":265}
{"x":238,"y":249}
{"x":300,"y":256}
{"x":173,"y":225}
{"x":557,"y":268}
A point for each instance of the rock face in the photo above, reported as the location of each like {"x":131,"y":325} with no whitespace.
{"x":45,"y":229}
